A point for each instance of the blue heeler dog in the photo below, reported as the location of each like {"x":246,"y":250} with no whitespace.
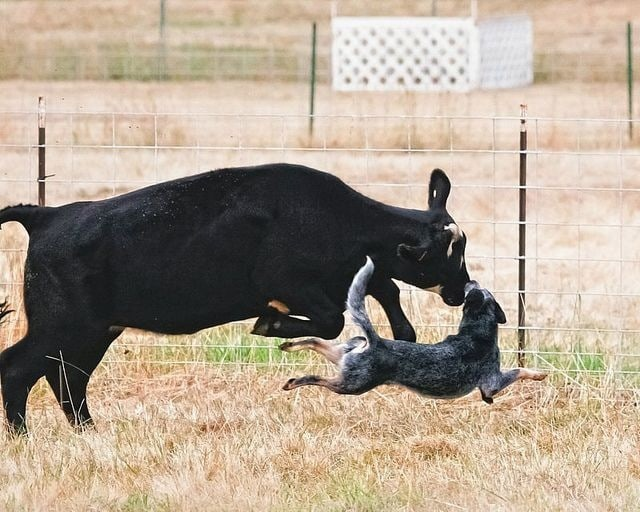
{"x":449,"y":369}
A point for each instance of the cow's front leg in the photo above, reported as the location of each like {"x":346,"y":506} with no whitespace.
{"x":387,"y":294}
{"x":322,"y":318}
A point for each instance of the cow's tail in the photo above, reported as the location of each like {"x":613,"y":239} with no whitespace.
{"x":25,"y":214}
{"x":356,"y":304}
{"x":4,"y":311}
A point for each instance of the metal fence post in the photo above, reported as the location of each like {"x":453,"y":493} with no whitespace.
{"x":522,"y":236}
{"x":312,"y":78}
{"x":41,"y":152}
{"x":162,"y":48}
{"x":630,"y":78}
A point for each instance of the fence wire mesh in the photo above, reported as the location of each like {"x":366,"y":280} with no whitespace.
{"x":582,"y":226}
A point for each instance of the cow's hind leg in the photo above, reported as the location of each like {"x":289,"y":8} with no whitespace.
{"x":21,"y":365}
{"x":324,"y":318}
{"x":69,"y":371}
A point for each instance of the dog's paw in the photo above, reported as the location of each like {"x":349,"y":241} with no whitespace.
{"x":286,"y":346}
{"x":289,"y":384}
{"x":525,"y":373}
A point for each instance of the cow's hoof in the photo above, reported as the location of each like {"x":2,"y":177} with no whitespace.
{"x":261,"y":327}
{"x":286,"y":346}
{"x":266,"y":326}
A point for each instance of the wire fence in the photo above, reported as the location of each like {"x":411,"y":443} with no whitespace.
{"x":582,"y":224}
{"x":157,"y":63}
{"x":270,"y":63}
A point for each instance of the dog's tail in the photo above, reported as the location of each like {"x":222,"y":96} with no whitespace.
{"x":355,"y":301}
{"x":25,"y":214}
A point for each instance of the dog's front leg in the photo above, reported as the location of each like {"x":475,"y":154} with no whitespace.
{"x":333,"y":352}
{"x":486,"y":398}
{"x":504,"y":379}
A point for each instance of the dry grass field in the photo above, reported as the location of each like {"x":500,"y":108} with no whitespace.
{"x":200,"y":422}
{"x":573,"y":38}
{"x":229,"y":439}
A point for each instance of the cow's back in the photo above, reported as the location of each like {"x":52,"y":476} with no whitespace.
{"x":181,"y":255}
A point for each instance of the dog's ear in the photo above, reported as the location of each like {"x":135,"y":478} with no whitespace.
{"x":411,"y":252}
{"x":500,"y":316}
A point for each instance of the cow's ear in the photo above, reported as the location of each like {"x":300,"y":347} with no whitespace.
{"x":412,"y":252}
{"x":439,"y":188}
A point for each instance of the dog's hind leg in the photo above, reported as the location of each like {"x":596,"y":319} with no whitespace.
{"x":312,"y":380}
{"x":325,"y":348}
{"x":335,"y":384}
{"x":497,"y":383}
{"x":69,"y":372}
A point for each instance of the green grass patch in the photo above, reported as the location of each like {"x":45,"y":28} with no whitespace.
{"x":221,"y":345}
{"x":591,"y":365}
{"x":234,"y":345}
{"x":576,"y":360}
{"x":120,"y":61}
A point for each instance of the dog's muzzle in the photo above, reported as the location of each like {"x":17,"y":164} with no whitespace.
{"x":471,"y":285}
{"x":474,"y":285}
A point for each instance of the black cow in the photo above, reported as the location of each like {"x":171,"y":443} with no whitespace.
{"x":277,"y":242}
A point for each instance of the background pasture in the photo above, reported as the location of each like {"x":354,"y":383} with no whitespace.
{"x":199,"y":422}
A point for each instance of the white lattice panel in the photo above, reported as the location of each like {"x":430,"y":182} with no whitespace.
{"x":428,"y":54}
{"x":431,"y":54}
{"x":506,"y":52}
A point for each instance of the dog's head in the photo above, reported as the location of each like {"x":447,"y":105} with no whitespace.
{"x":479,"y":303}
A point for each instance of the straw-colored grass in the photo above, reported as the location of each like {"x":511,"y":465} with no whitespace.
{"x":212,"y":438}
{"x":76,"y":39}
{"x":181,"y":425}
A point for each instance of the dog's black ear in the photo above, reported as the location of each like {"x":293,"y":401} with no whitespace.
{"x":411,"y":252}
{"x":439,"y":188}
{"x":500,"y":316}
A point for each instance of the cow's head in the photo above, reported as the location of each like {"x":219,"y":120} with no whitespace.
{"x":435,"y":260}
